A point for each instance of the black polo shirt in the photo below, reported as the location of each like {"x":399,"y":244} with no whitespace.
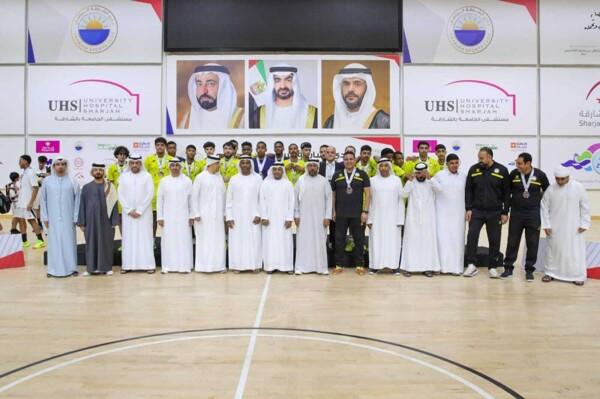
{"x":539,"y":184}
{"x":349,"y":205}
{"x":488,"y":189}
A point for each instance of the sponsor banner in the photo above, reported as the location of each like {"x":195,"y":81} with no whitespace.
{"x":12,"y":149}
{"x":470,"y":100}
{"x":458,"y":32}
{"x":82,"y":152}
{"x":570,"y":32}
{"x":94,"y":100}
{"x":506,"y":149}
{"x":13,"y":32}
{"x":570,"y":101}
{"x":12,"y":100}
{"x":289,"y":94}
{"x":580,"y":156}
{"x":109,"y":31}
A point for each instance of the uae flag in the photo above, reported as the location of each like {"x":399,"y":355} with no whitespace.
{"x":11,"y":251}
{"x":257,"y":83}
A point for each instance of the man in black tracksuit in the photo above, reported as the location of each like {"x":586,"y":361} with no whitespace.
{"x":487,"y":197}
{"x":527,"y":185}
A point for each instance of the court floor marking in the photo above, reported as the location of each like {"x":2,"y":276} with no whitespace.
{"x":239,"y":393}
{"x":468,"y":369}
{"x":423,"y":363}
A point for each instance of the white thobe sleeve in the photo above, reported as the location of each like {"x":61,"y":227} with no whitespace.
{"x":262,"y":202}
{"x":147,"y":200}
{"x":435,"y":185}
{"x":401,"y":210}
{"x":77,"y":193}
{"x":229,"y":201}
{"x":584,"y":209}
{"x":44,"y":204}
{"x":160,"y":200}
{"x":195,"y":198}
{"x":290,"y":204}
{"x":121,"y":193}
{"x":328,"y":201}
{"x":407,"y":189}
{"x":188,"y":193}
{"x":296,"y":201}
{"x":545,"y":209}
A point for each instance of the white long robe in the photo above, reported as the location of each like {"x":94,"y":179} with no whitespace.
{"x":277,"y":206}
{"x":450,"y":218}
{"x":173,"y":206}
{"x":564,"y":210}
{"x":420,"y":253}
{"x":386,"y":214}
{"x":241,"y":207}
{"x":313,"y":205}
{"x":136,"y":191}
{"x":208,"y":203}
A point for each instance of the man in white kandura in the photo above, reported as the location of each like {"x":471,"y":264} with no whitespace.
{"x":208,"y":208}
{"x":242,"y":213}
{"x":420,"y":253}
{"x":277,"y":213}
{"x":312,"y":214}
{"x":449,"y":206}
{"x":174,"y":216}
{"x":565,"y":218}
{"x":386,"y":218}
{"x":136,"y":190}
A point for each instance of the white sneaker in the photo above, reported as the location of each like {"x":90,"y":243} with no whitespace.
{"x":298,"y":273}
{"x":163,"y":271}
{"x":325,"y":273}
{"x":494,"y":273}
{"x":86,"y":273}
{"x":471,"y":271}
{"x":109,"y":273}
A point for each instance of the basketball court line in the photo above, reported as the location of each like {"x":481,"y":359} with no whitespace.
{"x":491,"y":380}
{"x":239,"y":393}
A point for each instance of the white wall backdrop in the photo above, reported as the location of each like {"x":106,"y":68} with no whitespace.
{"x":450,"y":56}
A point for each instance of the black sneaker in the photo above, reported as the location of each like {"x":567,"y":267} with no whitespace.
{"x":506,"y":274}
{"x":373,"y":271}
{"x":529,"y":277}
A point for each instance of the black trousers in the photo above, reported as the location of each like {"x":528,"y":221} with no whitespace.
{"x":331,"y":244}
{"x":493,"y":226}
{"x":531,"y":225}
{"x":357,"y":231}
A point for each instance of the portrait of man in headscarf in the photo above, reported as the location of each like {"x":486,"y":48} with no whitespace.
{"x":286,"y":107}
{"x":213,"y":99}
{"x":355,"y":99}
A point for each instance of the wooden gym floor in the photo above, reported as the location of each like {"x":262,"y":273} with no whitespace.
{"x":258,"y":336}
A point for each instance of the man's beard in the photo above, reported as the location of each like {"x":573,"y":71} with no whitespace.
{"x":207,"y":102}
{"x":312,"y":173}
{"x":290,"y":93}
{"x":421,"y":178}
{"x":354,"y":105}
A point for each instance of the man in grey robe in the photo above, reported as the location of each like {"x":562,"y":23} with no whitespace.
{"x":59,"y":204}
{"x":98,"y":217}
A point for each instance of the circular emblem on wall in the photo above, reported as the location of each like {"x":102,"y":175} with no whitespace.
{"x":94,"y":29}
{"x":470,"y":30}
{"x":78,"y":162}
{"x":456,"y":145}
{"x":78,"y":146}
{"x":596,"y":162}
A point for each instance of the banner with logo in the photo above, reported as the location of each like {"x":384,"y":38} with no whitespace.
{"x":12,"y":32}
{"x":12,"y":148}
{"x":570,"y":101}
{"x":570,"y":32}
{"x":470,"y":100}
{"x":82,"y":152}
{"x":505,"y":149}
{"x":109,"y":31}
{"x":94,"y":100}
{"x":12,"y":100}
{"x":289,"y":94}
{"x":581,"y":156}
{"x":459,"y":32}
